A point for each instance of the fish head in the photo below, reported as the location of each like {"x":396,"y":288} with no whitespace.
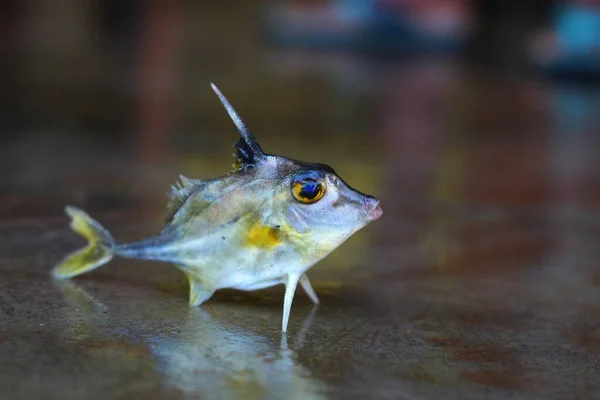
{"x":313,"y":200}
{"x":306,"y":200}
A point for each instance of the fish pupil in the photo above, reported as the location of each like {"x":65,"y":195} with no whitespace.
{"x":310,"y":189}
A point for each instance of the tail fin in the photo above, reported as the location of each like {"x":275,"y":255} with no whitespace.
{"x":99,"y":251}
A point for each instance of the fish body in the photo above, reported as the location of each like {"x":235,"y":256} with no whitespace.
{"x":265,"y":223}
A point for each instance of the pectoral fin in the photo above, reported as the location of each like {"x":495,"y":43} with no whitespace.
{"x":297,"y":221}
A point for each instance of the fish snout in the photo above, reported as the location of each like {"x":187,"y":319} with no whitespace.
{"x":373,"y":208}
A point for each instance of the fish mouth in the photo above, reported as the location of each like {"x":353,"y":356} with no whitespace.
{"x":374,"y":211}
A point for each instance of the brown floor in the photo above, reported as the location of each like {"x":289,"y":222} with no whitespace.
{"x":480,"y":280}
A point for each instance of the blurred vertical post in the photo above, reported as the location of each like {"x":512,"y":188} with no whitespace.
{"x":10,"y":39}
{"x":160,"y":38}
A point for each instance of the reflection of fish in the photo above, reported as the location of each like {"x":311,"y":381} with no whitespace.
{"x":213,"y":360}
{"x":208,"y":357}
{"x":84,"y":313}
{"x":265,"y":223}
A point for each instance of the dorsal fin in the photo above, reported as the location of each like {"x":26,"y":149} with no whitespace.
{"x":179,"y":193}
{"x":248,"y":149}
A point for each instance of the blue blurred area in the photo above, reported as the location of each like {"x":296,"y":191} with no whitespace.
{"x":370,"y":27}
{"x":573,"y":41}
{"x":578,"y":29}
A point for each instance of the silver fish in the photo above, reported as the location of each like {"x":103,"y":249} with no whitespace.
{"x":265,"y":223}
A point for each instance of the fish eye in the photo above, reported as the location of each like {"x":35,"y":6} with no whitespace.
{"x":308,"y":188}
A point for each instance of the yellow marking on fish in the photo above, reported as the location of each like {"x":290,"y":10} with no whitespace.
{"x":80,"y":224}
{"x":98,"y":251}
{"x":263,"y":236}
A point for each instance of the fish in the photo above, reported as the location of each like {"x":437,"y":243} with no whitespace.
{"x":265,"y":223}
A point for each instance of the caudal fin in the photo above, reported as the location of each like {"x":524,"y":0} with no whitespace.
{"x":98,"y":252}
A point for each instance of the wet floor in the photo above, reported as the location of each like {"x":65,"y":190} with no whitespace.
{"x":481,"y":280}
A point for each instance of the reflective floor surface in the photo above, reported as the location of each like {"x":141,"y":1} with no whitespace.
{"x":481,"y":280}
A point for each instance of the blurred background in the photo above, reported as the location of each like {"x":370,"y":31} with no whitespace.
{"x":475,"y":121}
{"x":421,"y":102}
{"x":93,"y":87}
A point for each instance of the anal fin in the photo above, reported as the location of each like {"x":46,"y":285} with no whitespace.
{"x":199,"y":291}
